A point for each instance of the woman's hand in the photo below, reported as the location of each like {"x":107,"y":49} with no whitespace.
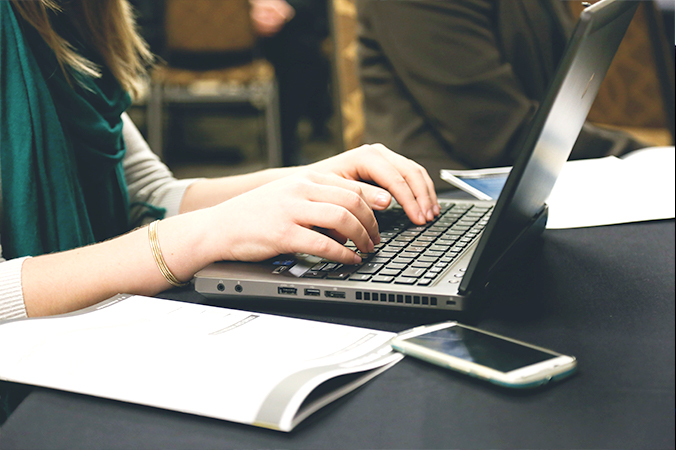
{"x":406,"y":180}
{"x":312,"y":209}
{"x":307,"y":212}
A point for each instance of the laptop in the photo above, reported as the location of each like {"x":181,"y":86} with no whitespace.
{"x":445,"y":264}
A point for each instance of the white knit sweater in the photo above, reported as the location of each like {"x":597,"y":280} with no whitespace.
{"x":148,"y":181}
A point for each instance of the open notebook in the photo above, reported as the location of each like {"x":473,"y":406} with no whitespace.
{"x":258,"y":369}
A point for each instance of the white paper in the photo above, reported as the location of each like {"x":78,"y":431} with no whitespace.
{"x":204,"y":360}
{"x":607,"y":191}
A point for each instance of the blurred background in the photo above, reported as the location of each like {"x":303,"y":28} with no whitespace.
{"x":231,"y":95}
{"x":247,"y":84}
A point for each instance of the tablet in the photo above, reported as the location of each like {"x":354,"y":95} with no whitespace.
{"x":484,"y":184}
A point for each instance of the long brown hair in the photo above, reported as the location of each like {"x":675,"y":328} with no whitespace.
{"x":108,"y":24}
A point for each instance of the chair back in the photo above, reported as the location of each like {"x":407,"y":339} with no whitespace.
{"x":208,"y":26}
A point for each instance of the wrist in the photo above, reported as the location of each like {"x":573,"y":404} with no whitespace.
{"x":185,"y":244}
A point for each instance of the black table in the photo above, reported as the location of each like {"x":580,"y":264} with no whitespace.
{"x":605,"y":295}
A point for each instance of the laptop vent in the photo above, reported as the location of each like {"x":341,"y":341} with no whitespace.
{"x":370,"y":296}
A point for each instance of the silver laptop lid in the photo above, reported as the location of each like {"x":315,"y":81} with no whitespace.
{"x":552,"y":134}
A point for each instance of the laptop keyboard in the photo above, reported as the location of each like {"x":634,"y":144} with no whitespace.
{"x":411,"y":254}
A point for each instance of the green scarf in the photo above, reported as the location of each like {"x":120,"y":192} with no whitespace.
{"x":61,"y":146}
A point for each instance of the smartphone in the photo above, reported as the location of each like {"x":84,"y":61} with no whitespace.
{"x":488,"y":356}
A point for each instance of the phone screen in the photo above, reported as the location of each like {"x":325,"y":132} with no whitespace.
{"x":469,"y":345}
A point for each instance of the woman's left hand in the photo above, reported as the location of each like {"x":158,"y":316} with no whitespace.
{"x":406,"y":180}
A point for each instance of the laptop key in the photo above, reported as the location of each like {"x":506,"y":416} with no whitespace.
{"x":409,"y":234}
{"x":423,"y":244}
{"x":370,"y":268}
{"x":360,"y":277}
{"x":434,"y":234}
{"x":421,"y":264}
{"x":405,"y":280}
{"x":433,"y":254}
{"x":379,"y":260}
{"x":427,"y":259}
{"x":330,"y":266}
{"x":382,"y":279}
{"x":337,"y":276}
{"x":414,"y":249}
{"x":389,"y":249}
{"x":417,"y":228}
{"x":425,"y":239}
{"x":439,"y":248}
{"x":314,"y":274}
{"x":386,"y":255}
{"x":390,"y":272}
{"x":403,"y":260}
{"x":344,"y":270}
{"x":364,"y":256}
{"x":414,"y":272}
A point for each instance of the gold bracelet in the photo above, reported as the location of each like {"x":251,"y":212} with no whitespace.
{"x":159,"y":259}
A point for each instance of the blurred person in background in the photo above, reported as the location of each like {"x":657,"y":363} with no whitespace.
{"x":293,"y":32}
{"x":454,"y":83}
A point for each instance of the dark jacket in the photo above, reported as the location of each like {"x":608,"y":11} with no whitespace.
{"x":453,"y":83}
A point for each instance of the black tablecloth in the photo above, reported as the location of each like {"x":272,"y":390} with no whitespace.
{"x":605,"y":295}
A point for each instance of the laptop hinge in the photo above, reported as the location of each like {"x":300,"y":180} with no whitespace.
{"x":535,"y":228}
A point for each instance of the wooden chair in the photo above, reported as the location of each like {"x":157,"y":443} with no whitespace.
{"x":213,"y":31}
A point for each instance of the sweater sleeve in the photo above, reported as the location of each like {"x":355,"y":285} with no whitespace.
{"x":11,"y":293}
{"x":149,"y":181}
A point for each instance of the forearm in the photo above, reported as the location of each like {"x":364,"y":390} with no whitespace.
{"x":67,"y":281}
{"x":210,"y":192}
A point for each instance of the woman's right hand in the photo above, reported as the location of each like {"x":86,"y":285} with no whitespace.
{"x":308,"y":212}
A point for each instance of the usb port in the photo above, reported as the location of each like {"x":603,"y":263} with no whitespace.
{"x":287,"y":290}
{"x":313,"y":292}
{"x":334,"y":294}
